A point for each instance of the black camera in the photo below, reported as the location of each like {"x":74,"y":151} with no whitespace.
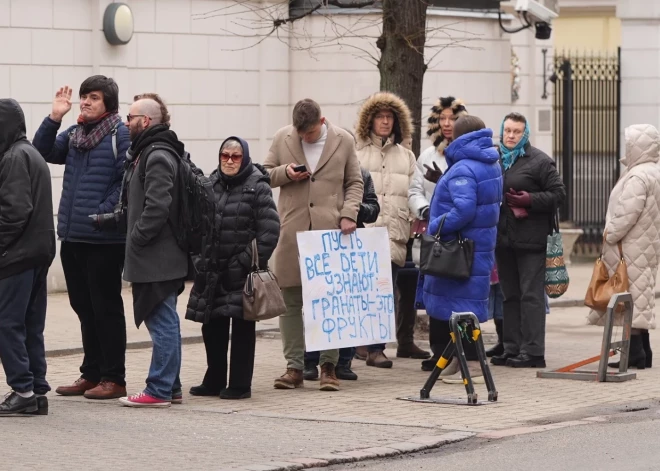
{"x":111,"y":222}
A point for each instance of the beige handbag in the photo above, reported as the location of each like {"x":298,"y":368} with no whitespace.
{"x":602,"y":287}
{"x":262,"y":297}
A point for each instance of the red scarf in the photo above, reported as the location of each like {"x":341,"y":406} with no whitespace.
{"x":81,"y":120}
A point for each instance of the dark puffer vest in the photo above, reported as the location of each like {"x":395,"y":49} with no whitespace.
{"x":245,"y":209}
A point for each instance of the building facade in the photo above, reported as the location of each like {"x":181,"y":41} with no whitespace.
{"x":221,"y":76}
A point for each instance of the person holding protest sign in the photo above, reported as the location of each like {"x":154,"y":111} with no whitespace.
{"x":315,"y":166}
{"x":384,"y":123}
{"x":369,"y":209}
{"x":467,"y":201}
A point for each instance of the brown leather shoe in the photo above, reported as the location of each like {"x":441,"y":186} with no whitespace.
{"x":76,"y":389}
{"x":106,"y":390}
{"x":412,"y":351}
{"x":361,"y":353}
{"x":292,"y":379}
{"x":379,"y":360}
{"x":329,"y":381}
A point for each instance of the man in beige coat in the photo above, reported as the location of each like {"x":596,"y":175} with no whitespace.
{"x":325,"y":194}
{"x":384,"y":123}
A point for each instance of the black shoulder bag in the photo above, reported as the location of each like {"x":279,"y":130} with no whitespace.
{"x":446,"y":259}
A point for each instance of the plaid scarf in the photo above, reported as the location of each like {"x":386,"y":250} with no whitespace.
{"x":83,"y":141}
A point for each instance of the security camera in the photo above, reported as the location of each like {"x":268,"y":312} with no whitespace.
{"x":541,"y":16}
{"x":535,"y":11}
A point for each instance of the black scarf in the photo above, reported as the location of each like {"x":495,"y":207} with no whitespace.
{"x":158,"y":133}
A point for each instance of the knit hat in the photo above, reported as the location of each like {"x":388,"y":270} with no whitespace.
{"x":434,"y":132}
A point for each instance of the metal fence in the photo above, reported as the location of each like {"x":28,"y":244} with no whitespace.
{"x":587,"y":139}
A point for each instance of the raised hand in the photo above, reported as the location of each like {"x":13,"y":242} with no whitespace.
{"x":433,"y":174}
{"x":61,"y":104}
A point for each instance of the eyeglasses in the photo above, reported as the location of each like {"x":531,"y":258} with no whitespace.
{"x":383,"y":117}
{"x":236,"y":158}
{"x":129,"y":117}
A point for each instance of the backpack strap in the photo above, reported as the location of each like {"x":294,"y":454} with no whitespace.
{"x":70,"y":135}
{"x":142,"y":164}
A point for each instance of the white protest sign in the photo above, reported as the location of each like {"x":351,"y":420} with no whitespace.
{"x":348,"y":298}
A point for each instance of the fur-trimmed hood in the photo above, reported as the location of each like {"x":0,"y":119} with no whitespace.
{"x":403,"y":125}
{"x":433,"y":131}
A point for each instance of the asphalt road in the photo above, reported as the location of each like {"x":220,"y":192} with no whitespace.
{"x":628,"y":442}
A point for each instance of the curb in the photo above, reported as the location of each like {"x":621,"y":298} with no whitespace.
{"x":557,"y":303}
{"x":190,"y":340}
{"x":577,"y":302}
{"x":416,"y":444}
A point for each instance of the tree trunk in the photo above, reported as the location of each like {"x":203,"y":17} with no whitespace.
{"x":402,"y":64}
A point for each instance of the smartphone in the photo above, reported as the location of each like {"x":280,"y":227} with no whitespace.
{"x":300,"y":168}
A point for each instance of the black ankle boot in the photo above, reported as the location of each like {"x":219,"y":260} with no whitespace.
{"x":636,"y":355}
{"x":646,"y":343}
{"x":236,"y":393}
{"x":203,"y":390}
{"x":498,"y":349}
{"x":428,"y":365}
{"x":310,"y":372}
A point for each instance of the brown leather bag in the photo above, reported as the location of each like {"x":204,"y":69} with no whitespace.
{"x":262,"y":297}
{"x":602,"y":287}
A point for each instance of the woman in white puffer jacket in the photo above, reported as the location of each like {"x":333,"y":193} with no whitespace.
{"x":431,"y":163}
{"x":633,"y":219}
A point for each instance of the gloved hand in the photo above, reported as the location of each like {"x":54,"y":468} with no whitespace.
{"x":519,"y":213}
{"x":433,"y":174}
{"x":518,"y":199}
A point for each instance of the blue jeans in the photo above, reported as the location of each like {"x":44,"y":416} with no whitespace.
{"x":496,"y":303}
{"x":165,"y":331}
{"x":380,"y":347}
{"x":22,"y":320}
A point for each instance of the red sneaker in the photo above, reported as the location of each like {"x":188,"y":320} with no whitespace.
{"x":143,"y":400}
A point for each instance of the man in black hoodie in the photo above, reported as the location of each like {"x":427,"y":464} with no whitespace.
{"x":27,"y":248}
{"x":155,"y":264}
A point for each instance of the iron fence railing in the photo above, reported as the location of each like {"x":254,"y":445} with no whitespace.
{"x":587,"y":146}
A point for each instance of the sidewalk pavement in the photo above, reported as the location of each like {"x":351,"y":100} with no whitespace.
{"x":302,"y":428}
{"x":62,"y":324}
{"x":62,"y":334}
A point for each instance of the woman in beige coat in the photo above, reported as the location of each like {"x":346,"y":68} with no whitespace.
{"x":633,"y":218}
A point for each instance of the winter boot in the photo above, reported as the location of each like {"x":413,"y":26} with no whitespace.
{"x":498,"y":349}
{"x":636,"y":355}
{"x":646,"y":342}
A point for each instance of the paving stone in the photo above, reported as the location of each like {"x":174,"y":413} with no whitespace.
{"x":308,"y":427}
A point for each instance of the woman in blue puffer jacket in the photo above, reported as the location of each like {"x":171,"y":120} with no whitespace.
{"x":468,"y":196}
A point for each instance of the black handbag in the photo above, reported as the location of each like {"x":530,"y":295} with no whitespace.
{"x":446,"y":259}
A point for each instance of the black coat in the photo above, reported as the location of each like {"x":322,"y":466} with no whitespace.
{"x":369,"y":208}
{"x":27,"y":232}
{"x":536,"y":174}
{"x":245,"y":209}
